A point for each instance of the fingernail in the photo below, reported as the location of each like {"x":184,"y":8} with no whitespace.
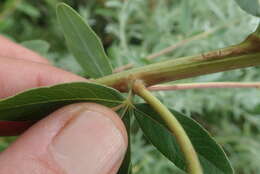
{"x":90,"y":143}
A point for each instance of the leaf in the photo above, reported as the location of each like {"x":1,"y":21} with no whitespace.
{"x":126,"y":167}
{"x":36,"y":103}
{"x":83,"y":42}
{"x":257,"y":31}
{"x":250,"y":6}
{"x":211,"y":155}
{"x":5,"y":142}
{"x":39,"y":46}
{"x":12,"y":128}
{"x":29,"y":10}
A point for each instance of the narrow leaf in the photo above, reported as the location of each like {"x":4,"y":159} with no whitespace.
{"x":250,"y":6}
{"x":211,"y":155}
{"x":39,"y":102}
{"x":83,"y":42}
{"x":126,"y":167}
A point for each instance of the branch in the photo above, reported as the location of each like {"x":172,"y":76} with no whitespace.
{"x":123,"y":68}
{"x":188,"y":40}
{"x":204,"y":85}
{"x":242,"y":55}
{"x":174,"y":126}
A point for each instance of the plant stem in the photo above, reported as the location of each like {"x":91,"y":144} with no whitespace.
{"x":234,"y":57}
{"x":188,"y":40}
{"x":123,"y":68}
{"x":174,"y":126}
{"x":177,"y":45}
{"x":184,"y":86}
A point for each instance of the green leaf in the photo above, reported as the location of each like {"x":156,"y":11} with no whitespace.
{"x":39,"y":46}
{"x":126,"y":167}
{"x":211,"y":155}
{"x":39,"y":102}
{"x":29,"y":9}
{"x":250,"y":6}
{"x":83,"y":42}
{"x":257,"y":31}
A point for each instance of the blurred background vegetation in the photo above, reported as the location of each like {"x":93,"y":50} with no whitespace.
{"x":133,"y":30}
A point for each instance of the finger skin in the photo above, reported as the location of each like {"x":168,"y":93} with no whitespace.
{"x":32,"y":152}
{"x":10,"y":49}
{"x":19,"y":75}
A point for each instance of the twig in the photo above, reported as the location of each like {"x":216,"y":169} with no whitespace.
{"x":204,"y":85}
{"x":186,"y":41}
{"x":242,"y":55}
{"x":123,"y":68}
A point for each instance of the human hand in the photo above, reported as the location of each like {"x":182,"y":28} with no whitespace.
{"x":77,"y":139}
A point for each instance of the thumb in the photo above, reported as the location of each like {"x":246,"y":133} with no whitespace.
{"x":83,"y":138}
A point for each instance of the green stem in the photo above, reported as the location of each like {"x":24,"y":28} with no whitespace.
{"x":175,"y":127}
{"x":188,"y":40}
{"x":243,"y":55}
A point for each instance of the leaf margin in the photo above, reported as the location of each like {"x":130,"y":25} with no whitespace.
{"x":104,"y":60}
{"x":177,"y":115}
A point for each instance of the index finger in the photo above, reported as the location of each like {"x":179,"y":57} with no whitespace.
{"x":19,"y":75}
{"x":12,"y":50}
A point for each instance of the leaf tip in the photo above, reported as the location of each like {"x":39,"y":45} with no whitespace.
{"x":62,"y":6}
